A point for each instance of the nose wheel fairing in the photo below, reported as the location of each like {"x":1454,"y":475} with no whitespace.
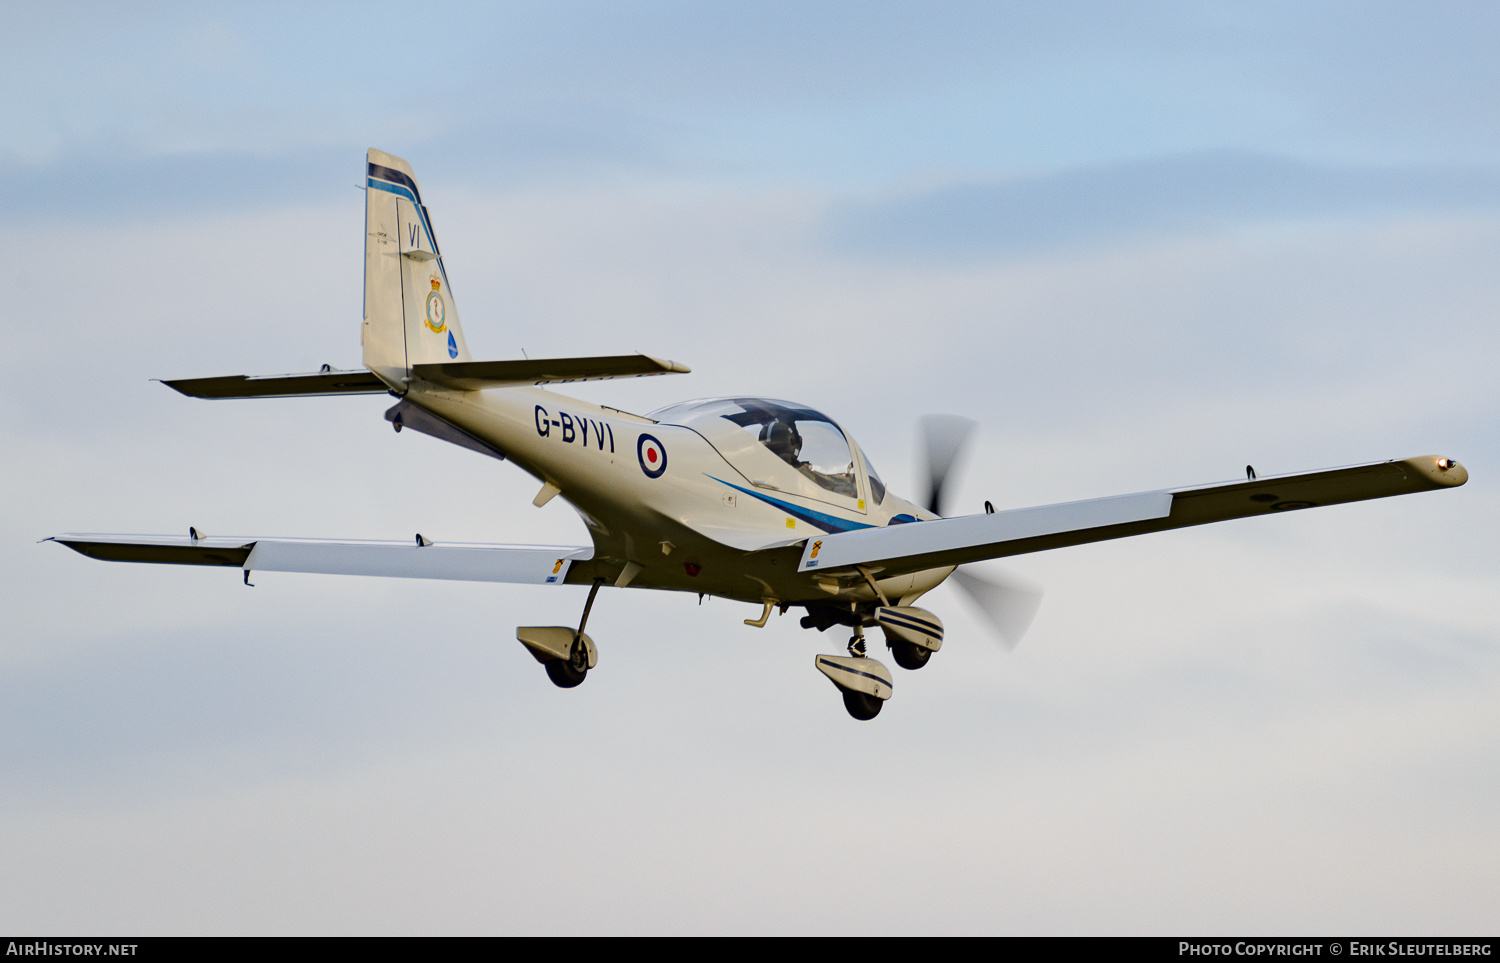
{"x":864,"y":682}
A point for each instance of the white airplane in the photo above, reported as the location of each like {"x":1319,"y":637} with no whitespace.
{"x":751,"y":499}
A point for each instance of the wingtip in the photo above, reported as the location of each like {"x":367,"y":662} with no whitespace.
{"x":668,"y":367}
{"x":176,"y":384}
{"x":1441,"y":471}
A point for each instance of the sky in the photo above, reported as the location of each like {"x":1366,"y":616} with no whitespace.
{"x":1142,"y":245}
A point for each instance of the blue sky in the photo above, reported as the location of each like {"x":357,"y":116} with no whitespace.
{"x":1143,"y":245}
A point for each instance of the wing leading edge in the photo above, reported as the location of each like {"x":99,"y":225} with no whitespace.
{"x":971,"y":538}
{"x":471,"y":562}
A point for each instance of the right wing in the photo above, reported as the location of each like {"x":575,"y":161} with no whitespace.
{"x":970,"y":538}
{"x":525,"y":564}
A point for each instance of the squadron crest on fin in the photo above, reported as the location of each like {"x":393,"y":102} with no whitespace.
{"x":437,"y":312}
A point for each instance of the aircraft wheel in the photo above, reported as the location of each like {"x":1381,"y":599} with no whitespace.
{"x":563,"y":675}
{"x":566,"y":673}
{"x":909,"y":655}
{"x":862,"y":706}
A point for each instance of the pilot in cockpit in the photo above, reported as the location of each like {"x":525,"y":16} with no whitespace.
{"x":784,"y":441}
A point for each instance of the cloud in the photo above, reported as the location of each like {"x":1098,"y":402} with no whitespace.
{"x":1151,"y":198}
{"x":1278,"y":723}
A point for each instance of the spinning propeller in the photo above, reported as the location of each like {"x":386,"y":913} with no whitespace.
{"x":1008,"y":603}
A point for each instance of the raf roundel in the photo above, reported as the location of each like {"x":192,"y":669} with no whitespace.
{"x":652,"y":456}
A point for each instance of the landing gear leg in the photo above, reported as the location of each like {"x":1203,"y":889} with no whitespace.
{"x":864,"y":683}
{"x":857,"y":643}
{"x":569,"y":672}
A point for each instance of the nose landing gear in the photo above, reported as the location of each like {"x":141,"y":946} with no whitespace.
{"x":912,"y":634}
{"x":862,"y":706}
{"x":864,"y":682}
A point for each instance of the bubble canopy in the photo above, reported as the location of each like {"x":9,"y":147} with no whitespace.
{"x":775,"y":444}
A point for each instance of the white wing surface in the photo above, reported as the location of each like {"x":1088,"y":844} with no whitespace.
{"x":970,"y":538}
{"x":525,"y":564}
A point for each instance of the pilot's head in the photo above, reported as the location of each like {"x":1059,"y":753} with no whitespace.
{"x":782,"y":438}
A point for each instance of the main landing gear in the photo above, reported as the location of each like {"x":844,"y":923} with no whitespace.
{"x":909,"y":655}
{"x":566,"y":673}
{"x":565,"y":653}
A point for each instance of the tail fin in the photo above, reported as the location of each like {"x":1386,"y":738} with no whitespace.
{"x":409,"y":313}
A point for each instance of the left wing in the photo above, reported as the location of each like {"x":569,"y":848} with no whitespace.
{"x":419,"y":558}
{"x":970,"y":538}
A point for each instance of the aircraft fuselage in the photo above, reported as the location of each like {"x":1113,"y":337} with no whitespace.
{"x":663,"y":497}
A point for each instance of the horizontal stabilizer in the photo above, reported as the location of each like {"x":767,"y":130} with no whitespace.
{"x":473,"y":375}
{"x":970,"y":538}
{"x":163,"y":549}
{"x":418,"y":558}
{"x":325,"y":382}
{"x":462,"y":375}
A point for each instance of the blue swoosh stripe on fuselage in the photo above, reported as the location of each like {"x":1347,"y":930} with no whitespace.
{"x":828,"y":523}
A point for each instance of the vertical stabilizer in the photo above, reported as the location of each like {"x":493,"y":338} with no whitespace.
{"x":410,"y":317}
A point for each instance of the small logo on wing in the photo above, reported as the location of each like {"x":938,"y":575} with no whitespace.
{"x":817,"y":547}
{"x":652,"y":456}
